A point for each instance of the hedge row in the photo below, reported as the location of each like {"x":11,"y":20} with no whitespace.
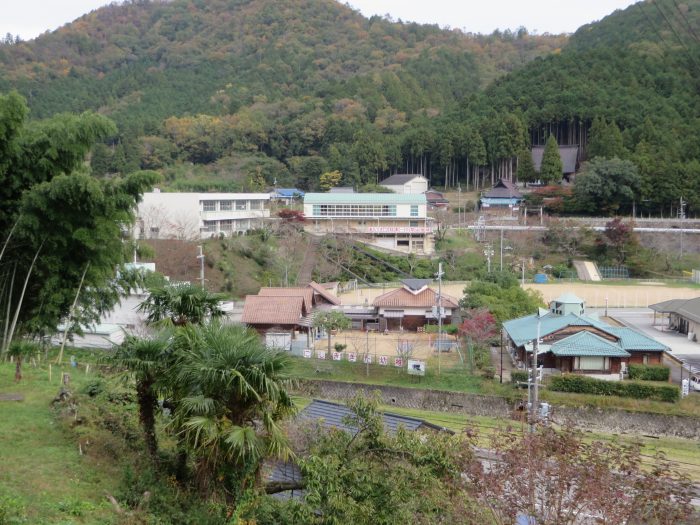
{"x":518,"y":376}
{"x":650,"y":373}
{"x":580,"y":384}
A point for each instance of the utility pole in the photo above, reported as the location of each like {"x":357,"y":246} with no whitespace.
{"x":501,"y":249}
{"x":533,"y":391}
{"x":200,"y":256}
{"x":681,"y":216}
{"x":488,"y":253}
{"x":459,"y":205}
{"x":522,"y":266}
{"x":439,"y":313}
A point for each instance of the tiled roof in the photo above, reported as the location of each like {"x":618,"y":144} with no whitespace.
{"x":503,"y":189}
{"x":632,"y":340}
{"x":415,"y":284}
{"x":567,"y":154}
{"x":524,"y":329}
{"x":273,"y":310}
{"x":399,"y":178}
{"x":296,"y":291}
{"x":335,"y":415}
{"x":404,"y":298}
{"x":328,"y":296}
{"x":586,"y":344}
{"x":364,"y":198}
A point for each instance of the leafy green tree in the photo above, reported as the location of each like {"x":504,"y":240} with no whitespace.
{"x":368,"y":151}
{"x":145,"y":362}
{"x":606,"y":140}
{"x":181,"y":304}
{"x":60,"y":226}
{"x":330,"y":179}
{"x":526,"y":168}
{"x":234,"y":396}
{"x":503,"y":301}
{"x":551,"y":169}
{"x":353,"y":476}
{"x":329,"y":320}
{"x":607,"y":185}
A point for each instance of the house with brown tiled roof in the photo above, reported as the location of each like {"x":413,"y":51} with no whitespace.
{"x":278,"y":311}
{"x":413,"y":306}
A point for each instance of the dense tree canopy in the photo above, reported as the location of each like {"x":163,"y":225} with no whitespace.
{"x":62,"y":230}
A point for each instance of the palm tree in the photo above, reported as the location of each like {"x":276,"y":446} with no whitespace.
{"x":19,"y":350}
{"x":236,"y":395}
{"x":181,"y":304}
{"x":145,"y":361}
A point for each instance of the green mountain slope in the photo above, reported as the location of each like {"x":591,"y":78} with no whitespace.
{"x":638,"y":68}
{"x":153,"y":60}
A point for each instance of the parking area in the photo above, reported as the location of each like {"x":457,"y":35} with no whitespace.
{"x":642,"y":319}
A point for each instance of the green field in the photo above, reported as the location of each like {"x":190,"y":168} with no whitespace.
{"x":44,"y":478}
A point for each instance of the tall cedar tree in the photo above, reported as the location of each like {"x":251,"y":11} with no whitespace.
{"x":551,"y":169}
{"x":606,"y":140}
{"x":526,"y":168}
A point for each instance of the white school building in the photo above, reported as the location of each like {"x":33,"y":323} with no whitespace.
{"x":190,"y":216}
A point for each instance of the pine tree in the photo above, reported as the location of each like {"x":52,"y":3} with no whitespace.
{"x":551,"y":169}
{"x":526,"y":168}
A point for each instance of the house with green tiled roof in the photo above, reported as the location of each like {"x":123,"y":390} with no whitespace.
{"x":568,"y":340}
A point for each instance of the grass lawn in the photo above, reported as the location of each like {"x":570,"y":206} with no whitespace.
{"x":43,"y":476}
{"x":453,"y":378}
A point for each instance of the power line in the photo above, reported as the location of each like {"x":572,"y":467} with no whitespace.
{"x":678,"y":37}
{"x":690,"y":31}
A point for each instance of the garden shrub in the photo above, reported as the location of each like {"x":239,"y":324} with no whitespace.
{"x":649,"y":372}
{"x":580,"y":384}
{"x":518,"y":376}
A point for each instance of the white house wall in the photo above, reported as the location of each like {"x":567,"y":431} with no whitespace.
{"x":185,"y":216}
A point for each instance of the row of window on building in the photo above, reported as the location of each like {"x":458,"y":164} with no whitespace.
{"x":358,"y":210}
{"x":232,"y":205}
{"x":230,"y":225}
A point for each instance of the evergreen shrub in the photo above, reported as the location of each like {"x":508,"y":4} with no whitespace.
{"x":580,"y":384}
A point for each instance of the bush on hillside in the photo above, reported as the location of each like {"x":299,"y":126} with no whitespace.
{"x":518,"y":376}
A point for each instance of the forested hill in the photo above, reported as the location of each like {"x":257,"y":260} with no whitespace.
{"x":638,"y":69}
{"x":158,"y":59}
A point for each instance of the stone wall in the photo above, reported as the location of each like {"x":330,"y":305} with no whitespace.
{"x":603,"y":420}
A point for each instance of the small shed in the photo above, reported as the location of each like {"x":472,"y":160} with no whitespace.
{"x":406,"y":184}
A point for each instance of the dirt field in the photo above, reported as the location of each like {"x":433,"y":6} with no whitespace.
{"x":379,"y":344}
{"x":619,"y":296}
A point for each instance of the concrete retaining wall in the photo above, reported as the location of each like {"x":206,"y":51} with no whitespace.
{"x":603,"y":420}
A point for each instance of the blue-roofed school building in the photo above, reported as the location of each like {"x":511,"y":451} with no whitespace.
{"x":573,"y":342}
{"x":396,"y":222}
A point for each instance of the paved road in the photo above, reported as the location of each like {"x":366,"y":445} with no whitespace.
{"x":642,"y":319}
{"x":522,"y":227}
